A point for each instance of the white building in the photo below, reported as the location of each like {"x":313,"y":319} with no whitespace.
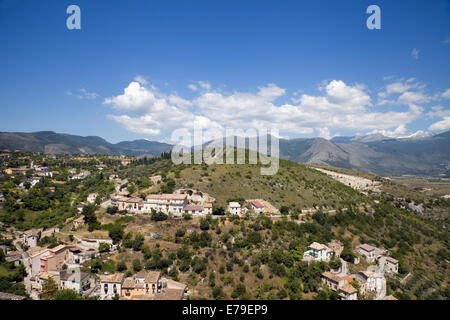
{"x":370,"y":252}
{"x":258,"y":207}
{"x":167,"y":203}
{"x":32,"y":237}
{"x":371,"y":281}
{"x":317,"y":252}
{"x":195,"y":210}
{"x":78,"y":281}
{"x":208,"y":208}
{"x":34,"y":259}
{"x":391,"y":265}
{"x":348,"y":292}
{"x":111,"y":285}
{"x":234,"y":208}
{"x":92,"y":197}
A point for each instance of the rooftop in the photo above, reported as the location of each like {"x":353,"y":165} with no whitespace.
{"x":318,"y":246}
{"x":234,"y":205}
{"x":391,"y":260}
{"x":257,"y":204}
{"x":112,"y":278}
{"x":167,"y":196}
{"x":367,"y":247}
{"x":348,"y":289}
{"x":331,"y":276}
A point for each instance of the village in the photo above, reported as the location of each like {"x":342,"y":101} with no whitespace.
{"x":362,"y":277}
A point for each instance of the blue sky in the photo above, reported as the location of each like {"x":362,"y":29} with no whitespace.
{"x":307,"y":68}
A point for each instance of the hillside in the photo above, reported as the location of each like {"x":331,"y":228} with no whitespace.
{"x":428,"y":155}
{"x":259,"y":253}
{"x":58,"y":143}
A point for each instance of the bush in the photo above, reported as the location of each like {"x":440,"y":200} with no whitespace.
{"x":158,"y":216}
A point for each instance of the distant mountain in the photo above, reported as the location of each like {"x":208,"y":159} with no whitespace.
{"x":375,"y":153}
{"x":419,"y":154}
{"x":143,"y":146}
{"x":60,"y":143}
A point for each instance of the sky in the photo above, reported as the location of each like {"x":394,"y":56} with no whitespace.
{"x":142,"y":69}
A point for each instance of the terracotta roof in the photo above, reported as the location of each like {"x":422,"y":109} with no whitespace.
{"x":367,"y":247}
{"x":68,"y":276}
{"x":348,"y":289}
{"x":257,"y":204}
{"x":35,"y":251}
{"x":348,"y":278}
{"x":331,"y":276}
{"x":208,"y":205}
{"x":13,"y":253}
{"x":170,"y":294}
{"x":391,"y":260}
{"x":193,"y":207}
{"x":152,"y":277}
{"x":128,"y":283}
{"x":113,"y":278}
{"x":59,"y":248}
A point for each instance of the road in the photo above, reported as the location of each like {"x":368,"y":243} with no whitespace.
{"x":26,"y":280}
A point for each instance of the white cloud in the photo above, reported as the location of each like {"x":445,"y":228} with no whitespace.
{"x":446,"y":41}
{"x":442,"y":125}
{"x":410,"y":97}
{"x":205,"y":85}
{"x":84,"y":94}
{"x":141,"y":79}
{"x":339,"y":107}
{"x":415,"y":53}
{"x":438,"y":111}
{"x":446,"y":94}
{"x":193,"y":87}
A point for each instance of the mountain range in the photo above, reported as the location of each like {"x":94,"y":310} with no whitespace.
{"x":420,"y":154}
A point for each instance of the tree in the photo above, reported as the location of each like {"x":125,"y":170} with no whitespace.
{"x":138,"y":242}
{"x":238,"y":291}
{"x":103,"y":247}
{"x":218,"y":211}
{"x":112,"y":209}
{"x":49,"y":289}
{"x":116,"y":233}
{"x":158,"y":216}
{"x":137,"y":265}
{"x":89,"y":217}
{"x":217,"y":293}
{"x":121,"y":266}
{"x":67,"y":294}
{"x":204,"y":224}
{"x":284,"y":210}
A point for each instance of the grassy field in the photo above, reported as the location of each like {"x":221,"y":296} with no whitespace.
{"x":295,"y":185}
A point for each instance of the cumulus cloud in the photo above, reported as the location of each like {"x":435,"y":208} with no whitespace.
{"x":141,"y":79}
{"x":442,"y":125}
{"x":339,"y":106}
